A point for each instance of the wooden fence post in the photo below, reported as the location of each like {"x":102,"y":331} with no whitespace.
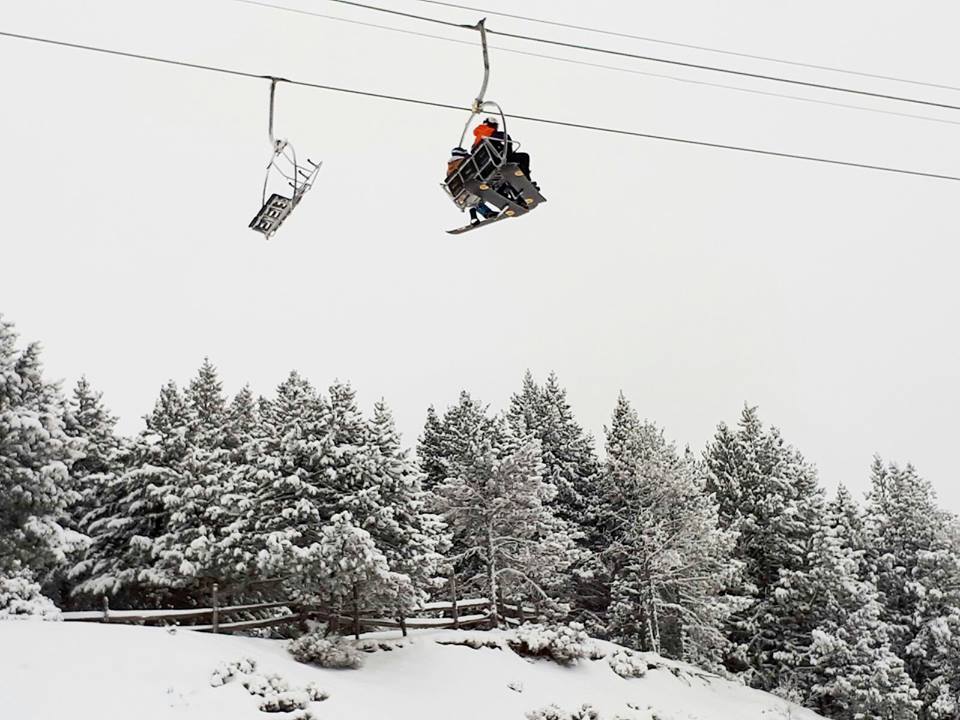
{"x":337,"y":617}
{"x":520,"y":614}
{"x":216,"y":608}
{"x":356,"y":611}
{"x":106,"y":609}
{"x":403,"y":624}
{"x":456,"y":610}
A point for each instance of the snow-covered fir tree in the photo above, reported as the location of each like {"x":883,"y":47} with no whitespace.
{"x":189,"y":551}
{"x":348,"y":574}
{"x":447,"y":443}
{"x":918,"y":577}
{"x":96,"y":466}
{"x":393,"y":508}
{"x":570,"y":464}
{"x":134,"y":514}
{"x":93,"y":426}
{"x":666,"y":558}
{"x":35,"y":458}
{"x":767,"y":495}
{"x":507,"y":541}
{"x":835,"y":654}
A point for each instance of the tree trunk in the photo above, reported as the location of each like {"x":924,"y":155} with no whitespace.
{"x":492,"y":578}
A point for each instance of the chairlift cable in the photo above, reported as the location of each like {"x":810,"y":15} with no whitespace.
{"x":461,"y":108}
{"x":691,"y":46}
{"x":651,"y":58}
{"x":614,"y":68}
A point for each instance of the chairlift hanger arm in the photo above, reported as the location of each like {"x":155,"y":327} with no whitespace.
{"x":478,"y":102}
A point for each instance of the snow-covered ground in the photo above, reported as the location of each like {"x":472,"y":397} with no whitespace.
{"x":78,"y":671}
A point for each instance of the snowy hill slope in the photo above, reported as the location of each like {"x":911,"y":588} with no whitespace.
{"x":110,"y":672}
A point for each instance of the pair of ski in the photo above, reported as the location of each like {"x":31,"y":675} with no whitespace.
{"x":514,"y":177}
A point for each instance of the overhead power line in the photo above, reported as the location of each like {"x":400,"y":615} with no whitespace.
{"x":459,"y":108}
{"x":614,"y":68}
{"x":690,"y":46}
{"x":651,"y":58}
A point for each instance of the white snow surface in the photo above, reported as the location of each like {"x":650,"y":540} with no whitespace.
{"x":79,"y":671}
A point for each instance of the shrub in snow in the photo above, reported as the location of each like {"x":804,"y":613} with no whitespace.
{"x":553,"y":712}
{"x":284,"y":702}
{"x":372,"y":646}
{"x":474,"y":642}
{"x":225,"y":672}
{"x":314,"y":692}
{"x":627,"y":664}
{"x":333,"y":652}
{"x":264,"y":685}
{"x":564,"y":644}
{"x":548,"y":713}
{"x":21,"y":599}
{"x":595,"y":652}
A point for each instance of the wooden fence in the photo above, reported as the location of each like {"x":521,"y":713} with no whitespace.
{"x":454,"y":614}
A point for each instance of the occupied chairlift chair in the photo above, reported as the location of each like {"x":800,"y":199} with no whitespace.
{"x":486,"y":175}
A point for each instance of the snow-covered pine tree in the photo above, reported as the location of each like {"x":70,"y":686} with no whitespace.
{"x":99,"y":461}
{"x":430,"y":451}
{"x":346,"y":460}
{"x":447,"y":443}
{"x":835,"y":653}
{"x":569,"y":461}
{"x":525,"y":411}
{"x":272,"y":498}
{"x":506,"y":538}
{"x":207,"y":405}
{"x":251,"y":468}
{"x":346,"y":571}
{"x":768,"y":496}
{"x":122,"y":560}
{"x":186,"y":556}
{"x":35,"y":455}
{"x":94,"y":427}
{"x":918,"y":576}
{"x":393,"y":507}
{"x":667,"y":558}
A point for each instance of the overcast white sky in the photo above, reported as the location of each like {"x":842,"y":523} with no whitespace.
{"x":693,"y":279}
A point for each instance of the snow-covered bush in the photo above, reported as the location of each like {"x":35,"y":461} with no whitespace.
{"x":284,"y":702}
{"x":372,"y":646}
{"x":333,"y":652}
{"x":552,"y":712}
{"x":627,"y":664}
{"x":475,"y":642}
{"x":314,"y":692}
{"x":225,"y":672}
{"x":565,"y":644}
{"x":264,"y":685}
{"x":21,"y":599}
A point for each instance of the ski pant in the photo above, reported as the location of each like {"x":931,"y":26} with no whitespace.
{"x":522,"y":159}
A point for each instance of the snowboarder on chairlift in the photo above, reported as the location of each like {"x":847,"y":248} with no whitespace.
{"x":490,"y":128}
{"x":484,"y":130}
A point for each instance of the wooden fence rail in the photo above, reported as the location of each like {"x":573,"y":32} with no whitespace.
{"x":299,"y":613}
